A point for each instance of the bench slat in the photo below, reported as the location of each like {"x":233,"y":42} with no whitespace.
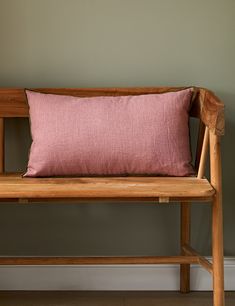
{"x":15,"y":187}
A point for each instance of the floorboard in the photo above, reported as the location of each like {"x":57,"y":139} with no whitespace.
{"x":84,"y":298}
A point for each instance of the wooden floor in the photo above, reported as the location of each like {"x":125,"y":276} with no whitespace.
{"x":68,"y":298}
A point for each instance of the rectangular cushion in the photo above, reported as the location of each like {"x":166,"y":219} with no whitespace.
{"x":118,"y":135}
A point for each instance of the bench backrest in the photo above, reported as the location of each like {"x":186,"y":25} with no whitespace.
{"x":206,"y":106}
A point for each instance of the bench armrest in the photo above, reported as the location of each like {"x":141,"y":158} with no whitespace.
{"x":210,"y":109}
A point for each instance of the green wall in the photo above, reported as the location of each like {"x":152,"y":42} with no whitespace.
{"x":92,"y":43}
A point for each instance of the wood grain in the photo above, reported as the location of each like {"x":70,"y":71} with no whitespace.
{"x":14,"y":186}
{"x":210,"y":109}
{"x":202,"y":163}
{"x":217,"y":221}
{"x":206,"y":105}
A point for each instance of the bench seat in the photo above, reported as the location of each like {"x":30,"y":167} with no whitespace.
{"x":164,"y":189}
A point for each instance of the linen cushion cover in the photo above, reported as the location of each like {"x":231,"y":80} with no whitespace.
{"x":118,"y":135}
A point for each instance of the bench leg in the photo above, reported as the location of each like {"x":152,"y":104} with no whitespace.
{"x":185,"y":239}
{"x":217,"y":221}
{"x":217,"y":252}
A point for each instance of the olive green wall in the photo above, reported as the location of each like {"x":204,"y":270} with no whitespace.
{"x":92,"y":43}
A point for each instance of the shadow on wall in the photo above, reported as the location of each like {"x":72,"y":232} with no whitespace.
{"x":18,"y":140}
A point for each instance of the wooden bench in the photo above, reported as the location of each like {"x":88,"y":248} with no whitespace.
{"x":210,"y":112}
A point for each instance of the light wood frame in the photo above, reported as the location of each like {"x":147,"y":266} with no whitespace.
{"x":210,"y":111}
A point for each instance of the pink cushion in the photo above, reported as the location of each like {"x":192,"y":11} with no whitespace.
{"x":121,"y":135}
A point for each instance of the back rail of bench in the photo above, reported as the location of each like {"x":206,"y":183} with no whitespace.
{"x":206,"y":105}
